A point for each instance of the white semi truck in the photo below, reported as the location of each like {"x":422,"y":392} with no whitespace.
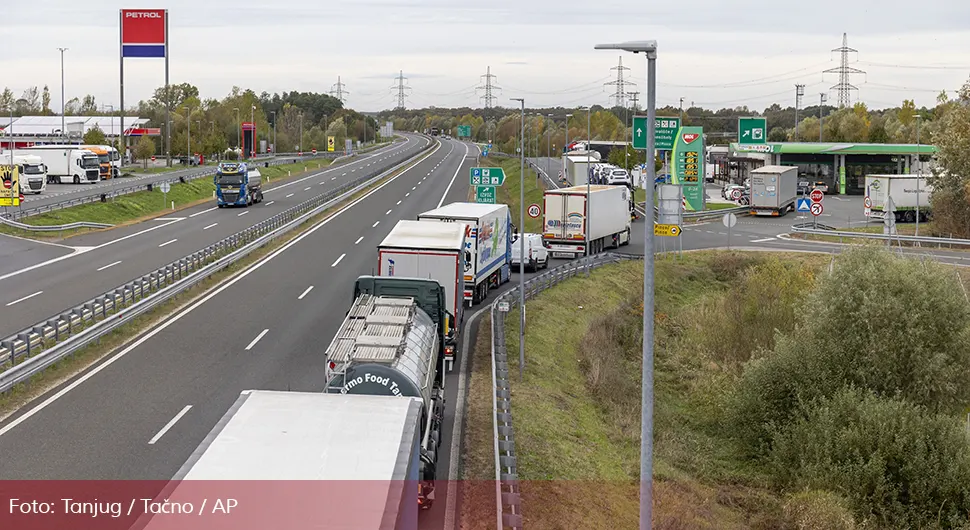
{"x":571,"y":220}
{"x":33,"y":173}
{"x":421,"y":249}
{"x":68,"y":164}
{"x":774,"y":190}
{"x":903,"y":190}
{"x":488,"y":262}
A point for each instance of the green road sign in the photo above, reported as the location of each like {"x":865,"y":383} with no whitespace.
{"x":485,"y":194}
{"x":752,"y":131}
{"x":688,"y":166}
{"x":464,"y":131}
{"x":487,"y":176}
{"x":666,"y":130}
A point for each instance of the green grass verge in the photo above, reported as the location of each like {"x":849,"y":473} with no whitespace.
{"x":576,"y":413}
{"x":60,"y":372}
{"x":508,"y":193}
{"x":141,"y":205}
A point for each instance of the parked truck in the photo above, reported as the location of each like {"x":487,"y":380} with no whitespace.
{"x":774,"y":190}
{"x":33,"y":173}
{"x":436,"y":251}
{"x":72,"y":164}
{"x":903,"y":190}
{"x":571,"y":220}
{"x":237,"y":184}
{"x":489,"y":245}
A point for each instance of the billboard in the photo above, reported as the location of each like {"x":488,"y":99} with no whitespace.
{"x":144,"y":32}
{"x":10,"y":188}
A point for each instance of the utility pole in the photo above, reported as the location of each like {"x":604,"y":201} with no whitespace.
{"x":589,"y":146}
{"x":799,"y":92}
{"x":844,"y":87}
{"x":821,"y":101}
{"x":252,"y":119}
{"x":919,"y":170}
{"x":633,"y":95}
{"x":188,"y":135}
{"x":63,"y":126}
{"x":681,"y":112}
{"x":238,"y":130}
{"x":274,"y":133}
{"x":522,"y":244}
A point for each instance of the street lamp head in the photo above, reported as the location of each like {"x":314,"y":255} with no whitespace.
{"x":647,"y":46}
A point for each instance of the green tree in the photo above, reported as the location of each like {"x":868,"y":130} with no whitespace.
{"x":808,"y":130}
{"x":853,"y":128}
{"x":144,"y":149}
{"x":45,"y":99}
{"x":95,"y":136}
{"x":907,"y":113}
{"x":951,"y":184}
{"x":777,"y":134}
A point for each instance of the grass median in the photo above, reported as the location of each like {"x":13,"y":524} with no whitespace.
{"x":576,"y":414}
{"x":67,"y":368}
{"x":142,"y":205}
{"x":508,"y":193}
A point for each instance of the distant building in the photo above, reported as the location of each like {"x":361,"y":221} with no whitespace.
{"x":26,"y":131}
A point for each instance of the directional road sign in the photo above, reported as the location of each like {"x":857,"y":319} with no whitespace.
{"x":816,"y":195}
{"x":666,"y":132}
{"x":165,"y":187}
{"x":464,"y":131}
{"x":804,"y":205}
{"x":487,"y":176}
{"x":485,"y":194}
{"x":817,"y":209}
{"x":751,"y":131}
{"x":666,"y":230}
{"x":534,"y":211}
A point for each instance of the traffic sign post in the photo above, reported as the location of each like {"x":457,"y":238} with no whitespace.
{"x":464,"y":131}
{"x":486,"y":176}
{"x":817,"y":196}
{"x":804,"y":205}
{"x":729,"y":220}
{"x":751,"y":131}
{"x":165,"y":187}
{"x":666,"y":230}
{"x":485,"y":194}
{"x":817,"y":210}
{"x":664,"y":136}
{"x":534,"y":211}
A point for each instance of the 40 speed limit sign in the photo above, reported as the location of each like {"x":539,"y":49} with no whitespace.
{"x":534,"y":211}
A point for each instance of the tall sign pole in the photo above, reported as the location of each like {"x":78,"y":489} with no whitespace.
{"x":121,"y":76}
{"x":144,"y":34}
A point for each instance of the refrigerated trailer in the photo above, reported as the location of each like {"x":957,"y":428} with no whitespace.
{"x":488,"y":264}
{"x":774,"y":190}
{"x":68,"y":164}
{"x":903,"y":190}
{"x":571,"y":221}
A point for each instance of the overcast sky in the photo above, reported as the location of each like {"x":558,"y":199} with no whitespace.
{"x":712,"y":52}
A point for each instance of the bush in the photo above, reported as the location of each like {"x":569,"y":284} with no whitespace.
{"x":895,"y":462}
{"x":818,"y":510}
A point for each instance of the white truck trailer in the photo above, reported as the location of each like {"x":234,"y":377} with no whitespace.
{"x":774,"y":190}
{"x":489,"y":245}
{"x":903,"y":190}
{"x":419,"y":249}
{"x":571,"y":220}
{"x":68,"y":164}
{"x":299,"y":460}
{"x":33,"y":173}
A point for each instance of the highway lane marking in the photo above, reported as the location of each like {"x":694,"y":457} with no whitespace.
{"x":343,"y":175}
{"x":169,"y":425}
{"x":204,"y":211}
{"x":308,"y":289}
{"x":413,"y":188}
{"x":359,"y":239}
{"x":408,"y":194}
{"x":167,"y":243}
{"x":398,"y":203}
{"x":288,"y":196}
{"x":763,"y":240}
{"x":253,"y":343}
{"x":28,"y":297}
{"x":108,"y":266}
{"x":452,"y":179}
{"x":164,"y":325}
{"x":306,"y":188}
{"x":270,"y":202}
{"x":210,"y":226}
{"x":242,"y":214}
{"x":338,"y":260}
{"x":375,"y":224}
{"x":169,"y":219}
{"x":331,"y":178}
{"x":387,"y":212}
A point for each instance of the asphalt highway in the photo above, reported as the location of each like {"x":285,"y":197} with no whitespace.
{"x":32,"y":290}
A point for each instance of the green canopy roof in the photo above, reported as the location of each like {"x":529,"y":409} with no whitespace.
{"x":833,"y":148}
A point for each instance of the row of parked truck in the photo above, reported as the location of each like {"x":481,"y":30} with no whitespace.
{"x":40,"y":165}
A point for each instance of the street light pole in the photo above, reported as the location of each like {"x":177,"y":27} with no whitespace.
{"x":589,"y":147}
{"x":238,"y":130}
{"x":646,"y":407}
{"x":566,"y":147}
{"x":821,"y":98}
{"x":274,"y":133}
{"x":63,"y":126}
{"x":548,"y":148}
{"x":919,"y":170}
{"x":521,"y":243}
{"x":188,"y":134}
{"x":252,"y":119}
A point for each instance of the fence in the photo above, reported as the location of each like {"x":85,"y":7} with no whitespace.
{"x":66,"y":333}
{"x":508,"y":499}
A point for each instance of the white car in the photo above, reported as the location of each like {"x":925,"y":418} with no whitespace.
{"x":538,"y":254}
{"x":618,"y":177}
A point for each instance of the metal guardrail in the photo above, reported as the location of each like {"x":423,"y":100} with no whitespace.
{"x":112,"y":192}
{"x":940,"y":241}
{"x":508,"y":498}
{"x":67,"y":332}
{"x":52,"y":228}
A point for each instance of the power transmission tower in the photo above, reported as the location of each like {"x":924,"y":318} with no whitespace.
{"x":401,"y":90}
{"x":635,"y":97}
{"x":488,"y":87}
{"x":844,"y":70}
{"x":619,"y":95}
{"x":338,"y":91}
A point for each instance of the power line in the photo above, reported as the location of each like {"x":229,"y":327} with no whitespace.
{"x":619,"y":96}
{"x":916,"y":66}
{"x":844,"y":87}
{"x":585,"y":87}
{"x":767,"y":80}
{"x":401,"y":90}
{"x":338,"y":91}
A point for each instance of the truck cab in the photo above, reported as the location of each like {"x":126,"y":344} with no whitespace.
{"x":104,"y":160}
{"x":237,"y":185}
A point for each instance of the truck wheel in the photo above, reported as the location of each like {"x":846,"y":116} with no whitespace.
{"x":77,"y":179}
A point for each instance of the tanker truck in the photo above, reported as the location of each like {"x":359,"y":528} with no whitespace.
{"x":237,"y":184}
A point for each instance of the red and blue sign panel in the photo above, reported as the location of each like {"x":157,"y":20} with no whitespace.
{"x":143,"y":32}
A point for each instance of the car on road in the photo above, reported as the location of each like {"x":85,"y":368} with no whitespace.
{"x":618,"y":176}
{"x":821,"y":186}
{"x":536,"y":252}
{"x":803,"y":187}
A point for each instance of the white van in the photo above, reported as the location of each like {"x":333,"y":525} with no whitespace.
{"x":538,"y":255}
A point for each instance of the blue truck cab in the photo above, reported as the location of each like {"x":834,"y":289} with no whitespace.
{"x":237,"y":184}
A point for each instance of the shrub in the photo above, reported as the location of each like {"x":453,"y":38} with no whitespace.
{"x":818,"y":510}
{"x":895,"y":462}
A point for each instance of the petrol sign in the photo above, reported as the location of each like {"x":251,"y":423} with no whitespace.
{"x":144,"y":32}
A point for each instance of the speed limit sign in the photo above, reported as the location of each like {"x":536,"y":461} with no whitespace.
{"x":534,"y":211}
{"x":736,"y":194}
{"x":868,"y":203}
